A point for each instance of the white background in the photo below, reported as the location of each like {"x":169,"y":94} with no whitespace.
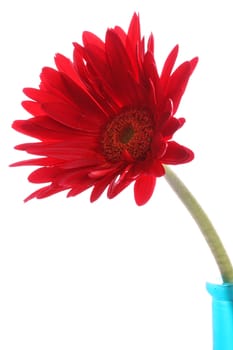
{"x":111,"y":275}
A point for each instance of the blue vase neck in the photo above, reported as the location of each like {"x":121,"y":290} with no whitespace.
{"x":222,"y":315}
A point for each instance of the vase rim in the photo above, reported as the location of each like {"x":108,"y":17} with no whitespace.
{"x":222,"y":291}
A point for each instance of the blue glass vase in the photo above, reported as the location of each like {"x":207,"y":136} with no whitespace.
{"x":222,"y":315}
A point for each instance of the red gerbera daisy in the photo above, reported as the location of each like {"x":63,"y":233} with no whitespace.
{"x":105,"y":119}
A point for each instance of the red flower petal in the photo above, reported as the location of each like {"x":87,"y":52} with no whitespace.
{"x":42,"y":96}
{"x":38,"y":161}
{"x":66,"y":66}
{"x":70,"y":117}
{"x":144,"y":188}
{"x":120,"y":182}
{"x":33,"y":108}
{"x":44,"y":128}
{"x":168,"y":66}
{"x":99,"y":188}
{"x":178,"y":82}
{"x":120,"y":68}
{"x":172,"y":125}
{"x":44,"y":174}
{"x":177,"y":154}
{"x":44,"y":192}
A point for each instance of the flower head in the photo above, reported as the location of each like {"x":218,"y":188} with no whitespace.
{"x":106,"y":118}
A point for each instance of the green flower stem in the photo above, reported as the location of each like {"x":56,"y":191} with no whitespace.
{"x":204,"y":223}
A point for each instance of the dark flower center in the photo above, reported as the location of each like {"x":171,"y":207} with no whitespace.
{"x":128,"y":136}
